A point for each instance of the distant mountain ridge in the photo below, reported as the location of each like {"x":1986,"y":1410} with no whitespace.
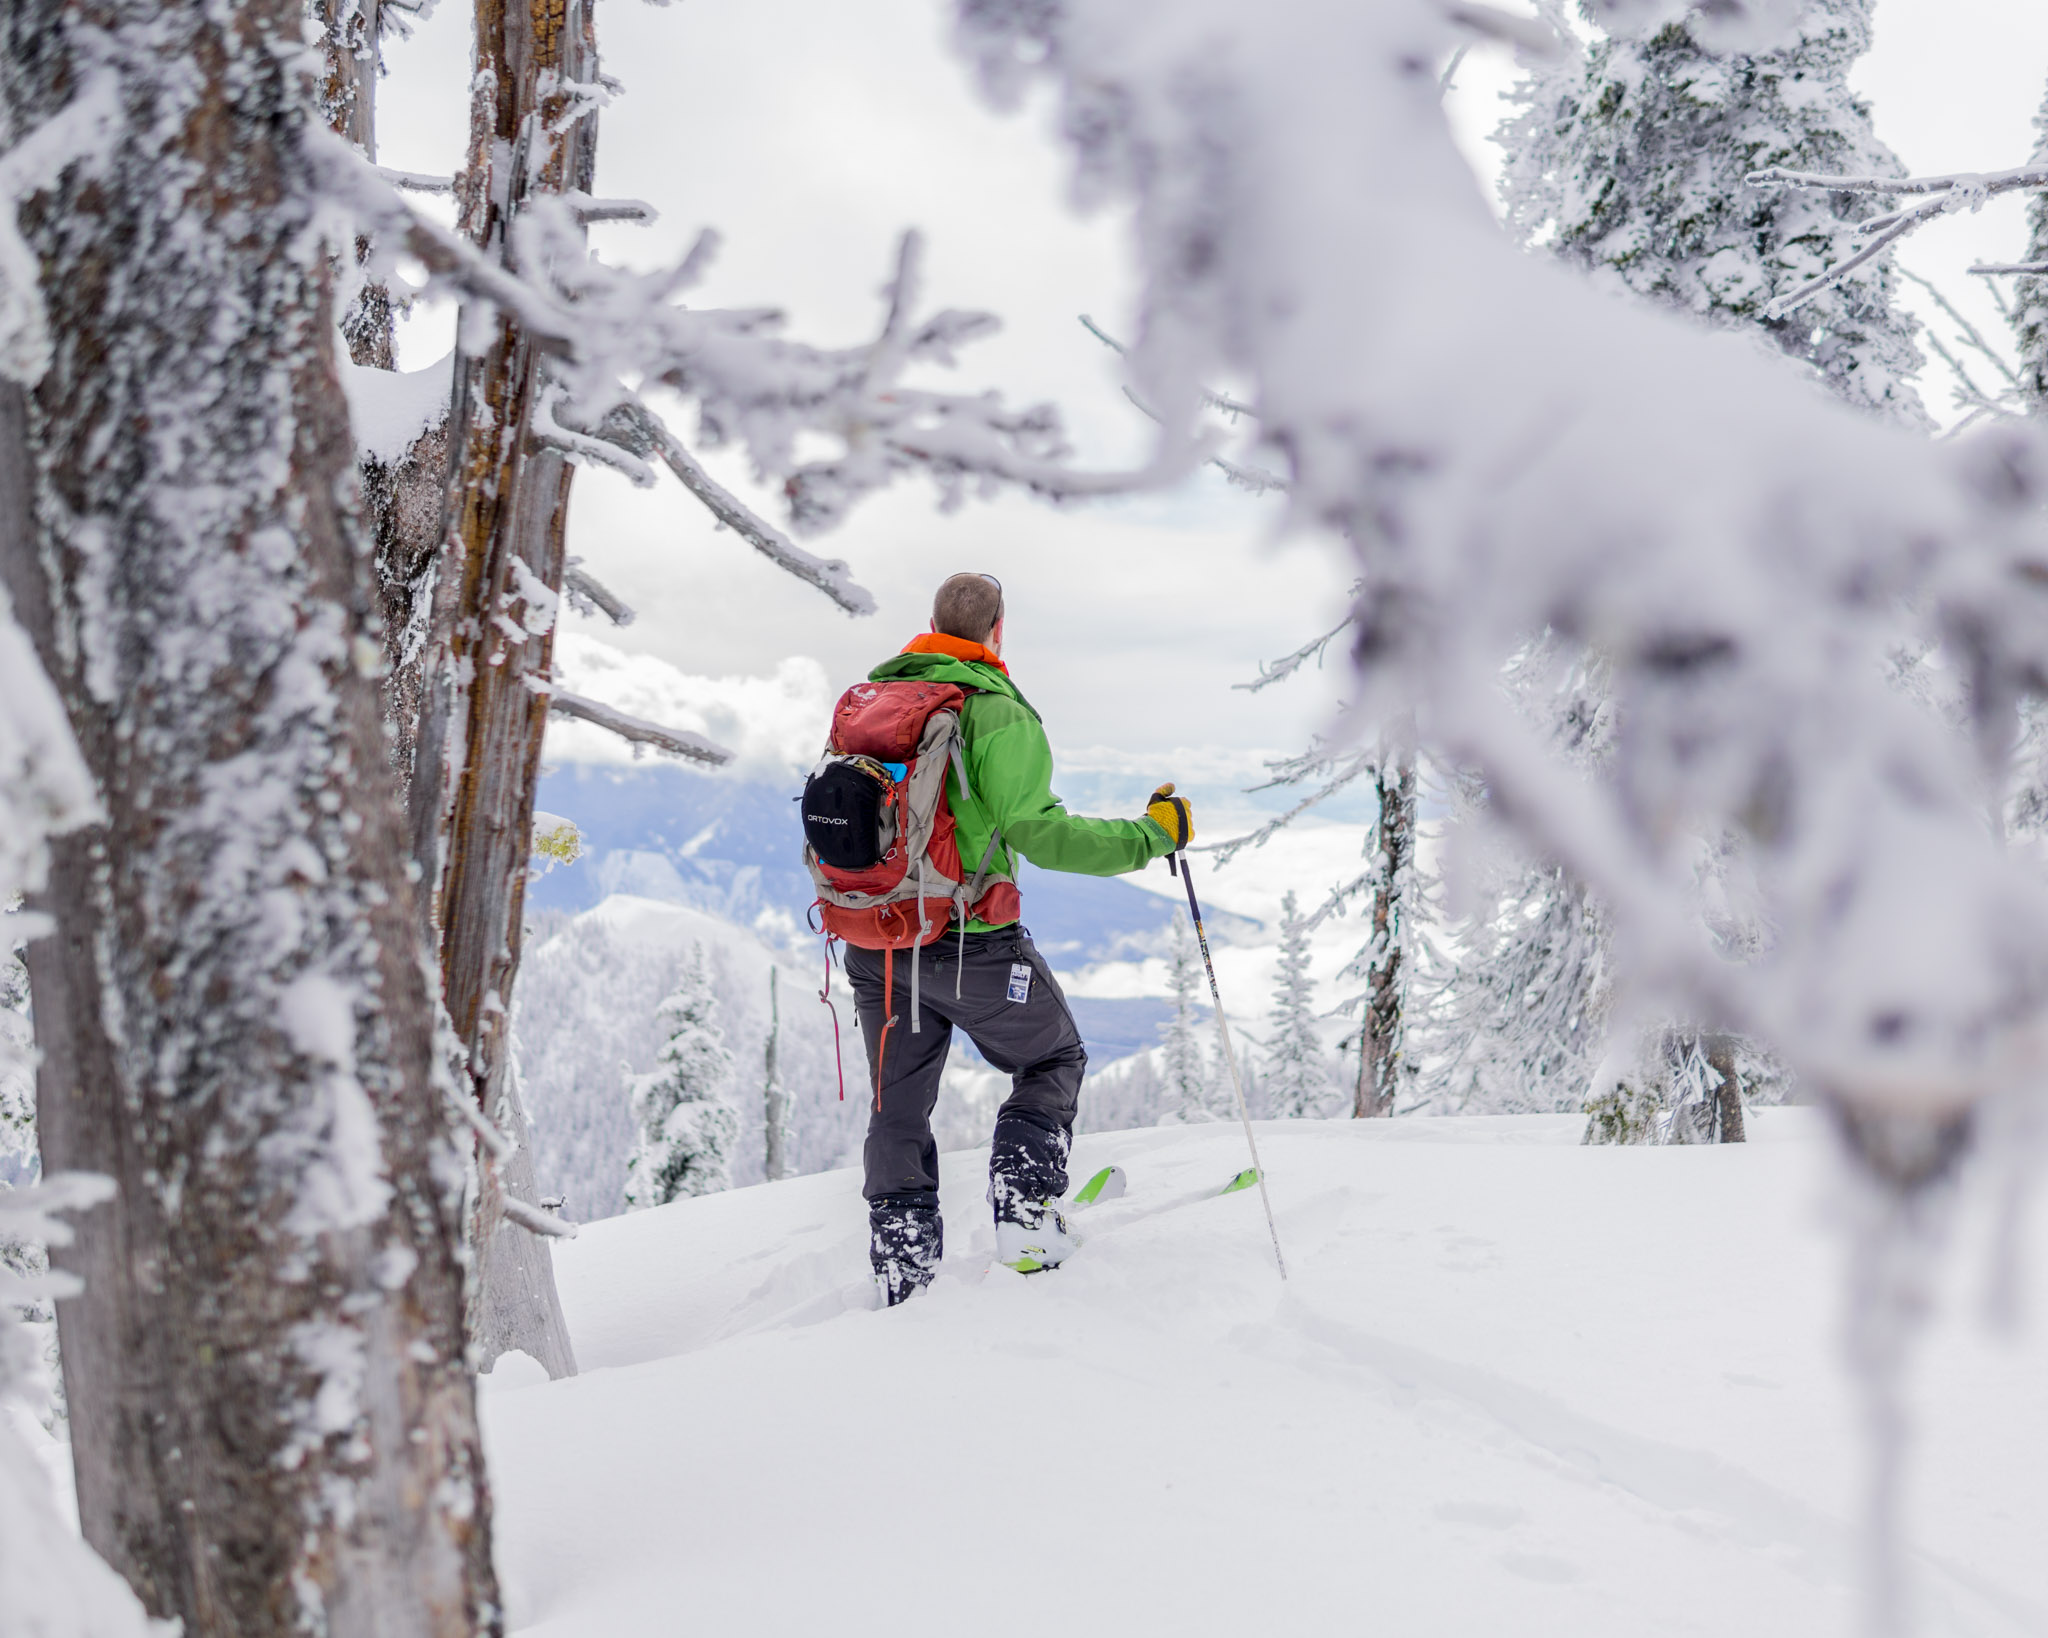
{"x":734,"y":847}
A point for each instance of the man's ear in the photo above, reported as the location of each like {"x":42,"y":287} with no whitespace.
{"x":931,"y":625}
{"x":995,"y":638}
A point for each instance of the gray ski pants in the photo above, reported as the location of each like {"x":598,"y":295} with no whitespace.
{"x":1013,"y":1010}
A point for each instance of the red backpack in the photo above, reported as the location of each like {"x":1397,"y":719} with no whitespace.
{"x":878,"y":828}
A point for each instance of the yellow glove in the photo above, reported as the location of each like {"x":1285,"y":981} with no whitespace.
{"x":1173,"y":814}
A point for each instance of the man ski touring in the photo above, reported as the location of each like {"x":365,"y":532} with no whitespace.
{"x":935,"y":941}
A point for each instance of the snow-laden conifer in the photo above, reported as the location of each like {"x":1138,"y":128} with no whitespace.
{"x":1510,"y":1006}
{"x":1185,"y":1070}
{"x":1632,"y":160}
{"x":2030,"y":304}
{"x":686,"y":1120}
{"x":1297,"y":1075}
{"x":1679,"y":1086}
{"x":1515,"y":997}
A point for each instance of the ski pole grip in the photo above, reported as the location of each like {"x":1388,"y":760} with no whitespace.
{"x":1172,"y":815}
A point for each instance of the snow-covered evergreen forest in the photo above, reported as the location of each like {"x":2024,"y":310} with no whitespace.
{"x":1560,"y":485}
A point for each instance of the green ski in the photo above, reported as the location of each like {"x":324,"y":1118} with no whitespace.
{"x":1107,"y":1184}
{"x":1110,"y":1184}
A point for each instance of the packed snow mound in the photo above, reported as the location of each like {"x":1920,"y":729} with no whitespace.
{"x":1514,"y":1385}
{"x":389,"y":409}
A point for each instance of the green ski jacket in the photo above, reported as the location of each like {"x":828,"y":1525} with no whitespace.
{"x":1009,"y":765}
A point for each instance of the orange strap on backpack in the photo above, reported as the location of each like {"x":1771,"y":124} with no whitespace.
{"x":889,"y":1002}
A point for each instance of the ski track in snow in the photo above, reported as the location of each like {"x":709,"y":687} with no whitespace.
{"x":1515,"y":1386}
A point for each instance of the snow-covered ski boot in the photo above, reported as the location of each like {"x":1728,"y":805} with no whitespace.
{"x":905,"y":1240}
{"x":1027,"y":1174}
{"x":1034,"y":1237}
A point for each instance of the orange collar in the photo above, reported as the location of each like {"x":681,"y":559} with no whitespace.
{"x":937,"y":642}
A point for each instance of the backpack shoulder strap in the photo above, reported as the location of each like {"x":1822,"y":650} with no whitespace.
{"x":937,"y":748}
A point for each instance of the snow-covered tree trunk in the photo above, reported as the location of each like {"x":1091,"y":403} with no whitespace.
{"x":1383,"y":1035}
{"x":533,"y":133}
{"x":777,"y":1106}
{"x":1729,"y":1126}
{"x":273,"y":1426}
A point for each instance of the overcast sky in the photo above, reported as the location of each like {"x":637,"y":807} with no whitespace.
{"x":810,"y":132}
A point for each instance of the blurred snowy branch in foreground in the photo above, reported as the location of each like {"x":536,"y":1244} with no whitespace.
{"x":1509,"y":452}
{"x":1746,"y":553}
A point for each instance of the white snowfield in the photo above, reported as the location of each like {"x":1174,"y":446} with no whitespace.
{"x":1514,"y":1387}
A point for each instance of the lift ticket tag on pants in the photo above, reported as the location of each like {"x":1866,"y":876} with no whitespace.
{"x":1020,"y":981}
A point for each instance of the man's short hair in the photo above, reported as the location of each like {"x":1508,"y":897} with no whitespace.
{"x":968,"y":607}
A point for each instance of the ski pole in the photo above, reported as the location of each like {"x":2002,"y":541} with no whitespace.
{"x":1177,"y":864}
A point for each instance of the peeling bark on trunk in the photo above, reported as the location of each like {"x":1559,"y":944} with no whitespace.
{"x":347,"y":90}
{"x":403,"y":500}
{"x":1728,"y":1123}
{"x":404,"y":504}
{"x":1383,"y":1033}
{"x":273,"y":1426}
{"x":494,"y":638}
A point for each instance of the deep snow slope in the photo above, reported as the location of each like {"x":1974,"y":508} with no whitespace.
{"x":1515,"y":1387}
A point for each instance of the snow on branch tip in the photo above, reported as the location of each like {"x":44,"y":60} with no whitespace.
{"x":588,"y":594}
{"x":537,"y":1221}
{"x":634,"y":428}
{"x":638,"y":730}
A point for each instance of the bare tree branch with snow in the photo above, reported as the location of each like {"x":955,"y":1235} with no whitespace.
{"x":1944,"y":195}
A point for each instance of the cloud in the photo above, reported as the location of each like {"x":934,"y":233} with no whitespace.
{"x":775,"y":725}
